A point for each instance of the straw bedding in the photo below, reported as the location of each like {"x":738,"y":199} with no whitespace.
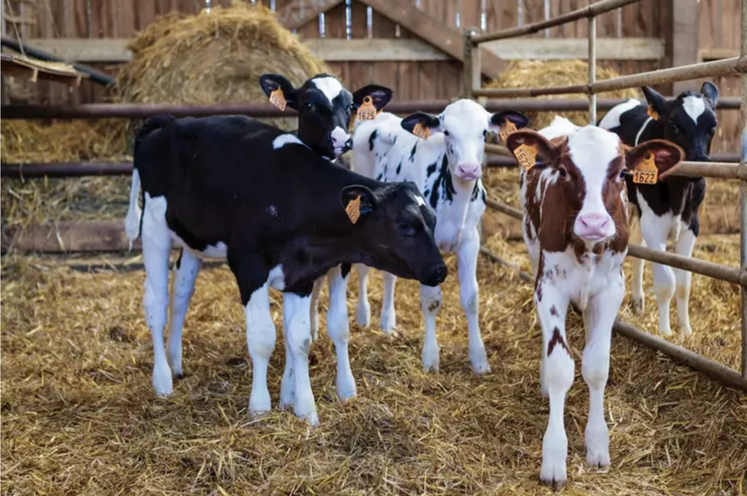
{"x":79,"y":415}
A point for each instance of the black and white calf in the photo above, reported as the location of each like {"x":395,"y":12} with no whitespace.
{"x":232,"y":186}
{"x":324,"y":109}
{"x":447,"y":169}
{"x":667,"y":209}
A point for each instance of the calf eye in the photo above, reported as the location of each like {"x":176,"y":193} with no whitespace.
{"x":308,"y":106}
{"x":623,"y":173}
{"x":405,"y":229}
{"x":446,"y":133}
{"x":485,"y":135}
{"x":563,"y":172}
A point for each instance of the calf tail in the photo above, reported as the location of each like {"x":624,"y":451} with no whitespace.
{"x":134,"y":213}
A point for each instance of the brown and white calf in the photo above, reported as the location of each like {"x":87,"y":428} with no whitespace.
{"x":576,"y":230}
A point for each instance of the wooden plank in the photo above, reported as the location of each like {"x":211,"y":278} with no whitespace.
{"x":577,"y":48}
{"x":683,"y":42}
{"x":301,"y":12}
{"x":65,"y":237}
{"x":362,"y":50}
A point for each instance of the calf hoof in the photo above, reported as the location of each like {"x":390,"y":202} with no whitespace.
{"x":312,"y":418}
{"x":431,"y":361}
{"x":555,"y":485}
{"x":639,"y":304}
{"x":665,"y":331}
{"x":553,"y":475}
{"x":598,"y":446}
{"x":598,"y":459}
{"x":685,"y":329}
{"x":480,"y":365}
{"x":162,"y":381}
{"x":346,"y":395}
{"x":287,"y":403}
{"x":388,"y":323}
{"x":363,"y":315}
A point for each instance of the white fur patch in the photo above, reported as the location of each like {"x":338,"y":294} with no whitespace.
{"x":286,"y":139}
{"x":276,"y":278}
{"x":419,"y":200}
{"x":328,"y":85}
{"x":612,"y":118}
{"x":640,"y":131}
{"x":694,"y":106}
{"x":218,"y":251}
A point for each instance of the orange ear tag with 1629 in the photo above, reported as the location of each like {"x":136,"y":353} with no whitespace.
{"x":354,"y":209}
{"x":652,"y":113}
{"x":421,"y":131}
{"x":278,"y":99}
{"x":646,"y":172}
{"x":526,"y":155}
{"x":507,"y":129}
{"x":367,"y":111}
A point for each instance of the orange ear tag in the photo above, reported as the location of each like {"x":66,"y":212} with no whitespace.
{"x":278,"y":99}
{"x":526,"y":155}
{"x":652,"y":113}
{"x":646,"y":172}
{"x":367,"y":111}
{"x":421,"y":131}
{"x":507,"y":129}
{"x":354,"y":209}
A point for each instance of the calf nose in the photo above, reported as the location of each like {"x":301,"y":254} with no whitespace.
{"x":436,"y":275}
{"x":468,"y":171}
{"x":348,"y":144}
{"x":593,"y":226}
{"x":340,"y":139}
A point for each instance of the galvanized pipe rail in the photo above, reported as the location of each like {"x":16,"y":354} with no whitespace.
{"x":736,"y":65}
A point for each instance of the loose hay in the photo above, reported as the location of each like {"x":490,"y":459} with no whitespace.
{"x":548,"y":73}
{"x":79,"y":415}
{"x":214,"y":57}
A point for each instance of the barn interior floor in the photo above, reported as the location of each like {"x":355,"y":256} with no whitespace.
{"x":79,"y":415}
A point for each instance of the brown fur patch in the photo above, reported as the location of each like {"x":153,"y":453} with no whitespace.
{"x":556,"y":338}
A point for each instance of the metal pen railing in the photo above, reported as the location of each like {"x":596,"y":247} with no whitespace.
{"x":732,"y":66}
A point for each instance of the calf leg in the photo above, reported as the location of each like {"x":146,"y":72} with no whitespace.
{"x":468,"y":291}
{"x":656,"y":239}
{"x":637,"y":296}
{"x":296,"y":313}
{"x":156,"y":249}
{"x":338,"y":328}
{"x":363,"y":310}
{"x":684,"y":246}
{"x":260,"y":339}
{"x":388,"y":315}
{"x":430,"y":304}
{"x":315,"y":292}
{"x":288,"y":382}
{"x":184,"y":287}
{"x":558,"y":373}
{"x":598,"y":319}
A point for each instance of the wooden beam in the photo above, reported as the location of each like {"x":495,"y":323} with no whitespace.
{"x":683,"y":35}
{"x":444,"y":38}
{"x":65,"y":237}
{"x":301,"y":12}
{"x":576,"y":48}
{"x":382,"y":49}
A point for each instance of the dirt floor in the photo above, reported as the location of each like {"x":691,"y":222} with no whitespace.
{"x":79,"y":415}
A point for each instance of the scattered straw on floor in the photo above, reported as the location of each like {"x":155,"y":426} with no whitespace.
{"x":548,"y":73}
{"x":237,"y":44}
{"x":79,"y":415}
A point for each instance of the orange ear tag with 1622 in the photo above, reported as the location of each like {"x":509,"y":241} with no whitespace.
{"x":278,"y":99}
{"x":526,"y":155}
{"x":421,"y":131}
{"x":507,"y":129}
{"x":646,"y":172}
{"x":367,"y":111}
{"x":354,"y":209}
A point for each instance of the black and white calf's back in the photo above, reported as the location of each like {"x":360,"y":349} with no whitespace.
{"x":277,"y":210}
{"x":447,"y":169}
{"x":667,"y":210}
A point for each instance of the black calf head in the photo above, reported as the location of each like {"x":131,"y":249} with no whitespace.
{"x":688,"y":120}
{"x":324,"y":109}
{"x":396,"y":231}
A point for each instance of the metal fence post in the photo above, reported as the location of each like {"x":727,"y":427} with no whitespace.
{"x":592,"y":69}
{"x":743,"y":195}
{"x":472,"y":70}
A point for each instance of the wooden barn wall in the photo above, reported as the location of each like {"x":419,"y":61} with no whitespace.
{"x":718,"y":28}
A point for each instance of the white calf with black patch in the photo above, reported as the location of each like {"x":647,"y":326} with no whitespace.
{"x":668,"y":210}
{"x":446,"y":168}
{"x":576,"y":230}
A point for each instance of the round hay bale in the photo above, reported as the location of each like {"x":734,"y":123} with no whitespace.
{"x":214,"y":57}
{"x":547,"y":73}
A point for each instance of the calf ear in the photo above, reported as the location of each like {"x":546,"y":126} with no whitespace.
{"x":429,"y":121}
{"x":357,"y":199}
{"x":544,"y":152}
{"x":379,"y":94}
{"x":271,"y":82}
{"x":655,"y":101}
{"x":665,"y":156}
{"x":518,"y":119}
{"x":710,"y":93}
